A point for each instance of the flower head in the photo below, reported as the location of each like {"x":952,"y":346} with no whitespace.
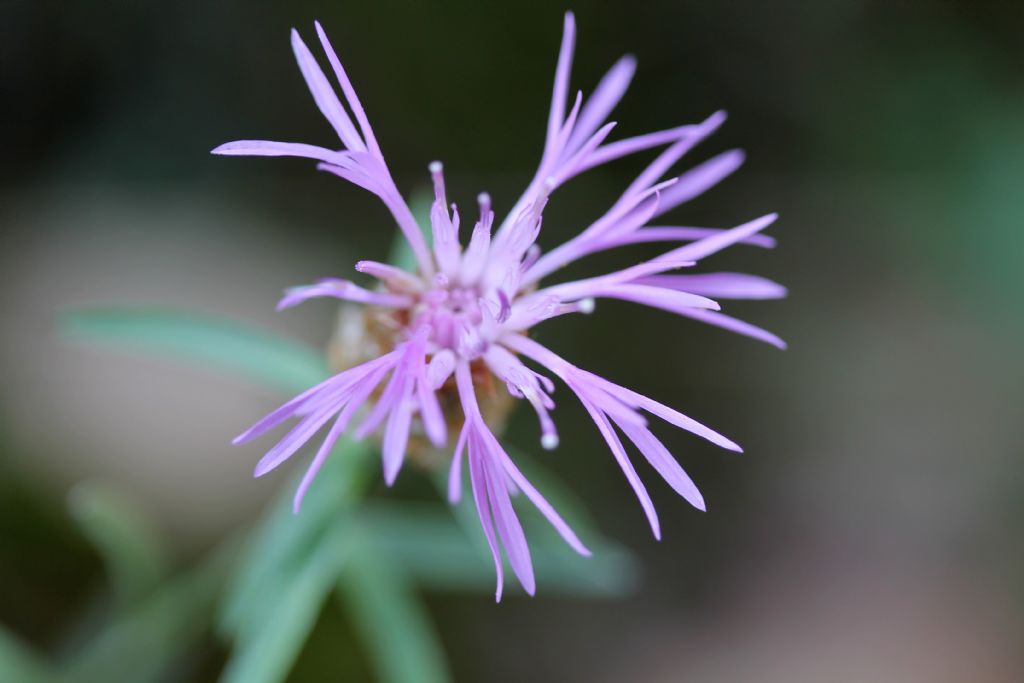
{"x":461,"y":320}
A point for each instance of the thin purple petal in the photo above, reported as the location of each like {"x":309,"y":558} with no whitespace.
{"x":720,"y":285}
{"x":324,"y":95}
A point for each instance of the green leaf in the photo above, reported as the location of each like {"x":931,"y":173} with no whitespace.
{"x":266,"y":649}
{"x":125,"y":540}
{"x":142,"y":644}
{"x":438,"y":553}
{"x":289,"y":566}
{"x":396,"y":628}
{"x":19,"y":663}
{"x":254,"y":353}
{"x":282,"y":541}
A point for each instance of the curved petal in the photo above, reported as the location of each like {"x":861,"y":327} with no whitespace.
{"x":619,"y":453}
{"x":270,"y":148}
{"x":734,"y":325}
{"x":324,"y":96}
{"x":341,"y":289}
{"x":701,"y":178}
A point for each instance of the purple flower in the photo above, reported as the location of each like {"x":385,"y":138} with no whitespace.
{"x":462,"y":319}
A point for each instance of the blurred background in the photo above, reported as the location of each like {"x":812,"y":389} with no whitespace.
{"x":871,"y":530}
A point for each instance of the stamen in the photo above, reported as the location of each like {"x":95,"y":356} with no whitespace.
{"x":506,"y":306}
{"x":395,"y":278}
{"x":549,"y":434}
{"x":585,"y":306}
{"x":532,"y":254}
{"x":455,"y":224}
{"x":474,"y":260}
{"x":541,"y":201}
{"x":484,"y":200}
{"x":437,"y":173}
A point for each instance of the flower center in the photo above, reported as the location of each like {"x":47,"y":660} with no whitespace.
{"x":453,"y":313}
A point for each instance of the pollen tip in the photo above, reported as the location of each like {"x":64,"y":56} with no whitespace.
{"x":483,"y":198}
{"x":435,"y":167}
{"x":549,"y":442}
{"x":587,"y":305}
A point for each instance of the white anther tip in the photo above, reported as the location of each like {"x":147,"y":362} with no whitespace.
{"x":435,"y":167}
{"x":549,"y":442}
{"x":483,"y":198}
{"x":587,"y":305}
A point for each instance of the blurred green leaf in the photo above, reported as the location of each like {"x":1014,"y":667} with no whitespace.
{"x":263,"y":356}
{"x":142,"y":644}
{"x":281,"y":543}
{"x":396,"y":629}
{"x":124,"y":538}
{"x":289,"y":566}
{"x":19,"y":663}
{"x":266,"y":649}
{"x":436,"y":552}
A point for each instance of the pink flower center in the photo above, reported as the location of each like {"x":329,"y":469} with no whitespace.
{"x":453,"y":313}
